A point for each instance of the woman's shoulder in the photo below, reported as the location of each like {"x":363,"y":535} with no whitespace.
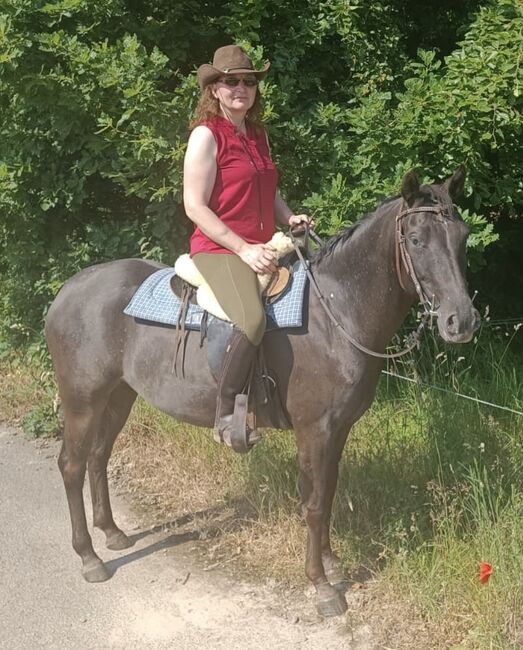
{"x":205,"y":126}
{"x":202,"y":140}
{"x":202,"y":132}
{"x":207,"y":129}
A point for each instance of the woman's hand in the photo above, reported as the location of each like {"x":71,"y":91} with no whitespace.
{"x":299,"y":219}
{"x":260,"y":257}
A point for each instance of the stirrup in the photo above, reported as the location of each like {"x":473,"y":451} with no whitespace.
{"x":234,"y":430}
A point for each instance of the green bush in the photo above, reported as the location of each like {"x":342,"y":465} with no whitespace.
{"x":40,"y":422}
{"x":95,"y":99}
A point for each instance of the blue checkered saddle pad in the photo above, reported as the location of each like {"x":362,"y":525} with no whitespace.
{"x":155,"y":301}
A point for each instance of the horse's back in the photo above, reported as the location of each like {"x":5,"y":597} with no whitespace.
{"x":95,"y":285}
{"x":85,"y":324}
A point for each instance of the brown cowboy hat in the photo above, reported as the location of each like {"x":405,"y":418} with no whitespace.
{"x":230,"y":59}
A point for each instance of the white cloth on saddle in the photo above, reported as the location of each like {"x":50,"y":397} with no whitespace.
{"x":186,"y":269}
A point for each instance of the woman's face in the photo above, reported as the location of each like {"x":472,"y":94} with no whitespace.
{"x":236,"y":92}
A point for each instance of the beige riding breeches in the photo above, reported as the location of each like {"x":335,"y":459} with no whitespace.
{"x":237,"y":290}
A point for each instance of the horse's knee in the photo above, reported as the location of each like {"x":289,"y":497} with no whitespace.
{"x":73,"y":471}
{"x":62,"y":461}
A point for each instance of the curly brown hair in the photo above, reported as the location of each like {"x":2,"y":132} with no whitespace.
{"x":209,"y":107}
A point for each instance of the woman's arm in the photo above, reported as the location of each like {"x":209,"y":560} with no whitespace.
{"x":199,"y":175}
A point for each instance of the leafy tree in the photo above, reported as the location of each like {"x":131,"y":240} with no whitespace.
{"x":95,"y":99}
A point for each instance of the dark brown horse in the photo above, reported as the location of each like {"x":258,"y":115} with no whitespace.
{"x":104,"y":358}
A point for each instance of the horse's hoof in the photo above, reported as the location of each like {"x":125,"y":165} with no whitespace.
{"x":118,"y":541}
{"x":95,"y":572}
{"x":329,"y":602}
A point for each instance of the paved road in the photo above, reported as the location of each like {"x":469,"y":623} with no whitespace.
{"x":157,"y":597}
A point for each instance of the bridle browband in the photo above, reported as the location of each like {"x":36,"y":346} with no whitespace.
{"x":402,"y":257}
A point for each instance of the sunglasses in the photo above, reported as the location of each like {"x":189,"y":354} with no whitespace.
{"x":232,"y":82}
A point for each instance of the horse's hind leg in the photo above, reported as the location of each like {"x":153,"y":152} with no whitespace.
{"x":113,"y":419}
{"x":80,"y":424}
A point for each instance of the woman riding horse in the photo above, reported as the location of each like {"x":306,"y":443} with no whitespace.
{"x":367,"y":279}
{"x":230,"y":193}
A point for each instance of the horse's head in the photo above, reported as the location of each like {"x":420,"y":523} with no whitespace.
{"x":432,"y":240}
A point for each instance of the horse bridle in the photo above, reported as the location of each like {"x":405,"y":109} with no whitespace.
{"x":402,"y":256}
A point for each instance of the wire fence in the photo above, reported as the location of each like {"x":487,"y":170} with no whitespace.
{"x":488,"y":322}
{"x":452,"y":392}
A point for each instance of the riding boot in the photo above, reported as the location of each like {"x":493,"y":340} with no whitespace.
{"x":230,"y":425}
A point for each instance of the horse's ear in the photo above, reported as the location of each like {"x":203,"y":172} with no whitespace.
{"x":455,"y":184}
{"x":410,"y":187}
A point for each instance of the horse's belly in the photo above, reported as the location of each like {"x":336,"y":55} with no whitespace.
{"x":191,"y":404}
{"x":180,"y":386}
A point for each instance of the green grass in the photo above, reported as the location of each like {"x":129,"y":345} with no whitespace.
{"x":436,"y":486}
{"x":430,"y":485}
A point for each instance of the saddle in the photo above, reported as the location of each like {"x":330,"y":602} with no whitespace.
{"x":278,"y":283}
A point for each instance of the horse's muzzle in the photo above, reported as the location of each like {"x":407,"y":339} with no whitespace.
{"x":459,"y":327}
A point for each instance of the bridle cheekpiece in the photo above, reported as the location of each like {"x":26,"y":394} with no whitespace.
{"x":403,"y":256}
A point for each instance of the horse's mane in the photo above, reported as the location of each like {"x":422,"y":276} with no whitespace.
{"x":343,"y":235}
{"x":436,"y":194}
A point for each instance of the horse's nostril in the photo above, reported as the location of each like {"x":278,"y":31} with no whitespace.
{"x":471,"y":323}
{"x":451,"y":321}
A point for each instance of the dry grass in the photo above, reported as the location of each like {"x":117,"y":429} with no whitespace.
{"x":426,"y":493}
{"x":245,"y":510}
{"x":21,"y":388}
{"x":197,"y":492}
{"x":177,"y":472}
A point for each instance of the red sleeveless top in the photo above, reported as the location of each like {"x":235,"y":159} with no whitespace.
{"x":245,"y":187}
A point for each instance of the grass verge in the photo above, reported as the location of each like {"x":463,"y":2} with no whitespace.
{"x":430,"y":485}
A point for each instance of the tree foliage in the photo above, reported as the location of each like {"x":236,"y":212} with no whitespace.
{"x":95,"y":99}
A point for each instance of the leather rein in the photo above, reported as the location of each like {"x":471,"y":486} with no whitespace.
{"x":402,"y":261}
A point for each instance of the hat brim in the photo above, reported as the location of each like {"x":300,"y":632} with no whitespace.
{"x":207,"y":73}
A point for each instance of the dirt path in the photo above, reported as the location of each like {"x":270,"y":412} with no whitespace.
{"x":158,"y":597}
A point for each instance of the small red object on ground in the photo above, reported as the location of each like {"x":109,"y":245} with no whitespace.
{"x":485,"y":571}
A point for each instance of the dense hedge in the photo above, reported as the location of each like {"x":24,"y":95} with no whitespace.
{"x":95,"y":98}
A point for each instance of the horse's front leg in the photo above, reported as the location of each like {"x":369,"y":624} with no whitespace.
{"x":331,"y":562}
{"x":318,"y":460}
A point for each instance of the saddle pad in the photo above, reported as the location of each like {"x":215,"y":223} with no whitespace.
{"x":155,"y":301}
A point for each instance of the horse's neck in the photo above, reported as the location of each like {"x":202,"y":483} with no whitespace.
{"x":359,"y":279}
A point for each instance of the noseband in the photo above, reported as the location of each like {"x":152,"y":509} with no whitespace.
{"x":402,"y":257}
